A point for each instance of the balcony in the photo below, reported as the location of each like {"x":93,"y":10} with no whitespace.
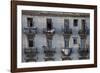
{"x":67,"y":32}
{"x":30,"y":54}
{"x":66,"y":52}
{"x":30,"y":30}
{"x":84,"y":53}
{"x":49,"y":33}
{"x":84,"y":32}
{"x":49,"y":53}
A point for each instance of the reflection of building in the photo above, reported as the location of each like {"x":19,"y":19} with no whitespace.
{"x":55,"y":35}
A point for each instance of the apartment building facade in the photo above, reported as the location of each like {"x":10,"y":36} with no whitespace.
{"x":58,"y":31}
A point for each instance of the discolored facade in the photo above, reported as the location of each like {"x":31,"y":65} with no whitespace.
{"x":55,"y":36}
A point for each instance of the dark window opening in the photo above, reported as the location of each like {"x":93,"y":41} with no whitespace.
{"x":75,"y":22}
{"x":30,"y":43}
{"x":75,"y":40}
{"x":49,"y":24}
{"x":30,"y":22}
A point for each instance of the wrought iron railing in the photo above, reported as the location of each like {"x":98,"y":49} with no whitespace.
{"x":30,"y":30}
{"x":30,"y":54}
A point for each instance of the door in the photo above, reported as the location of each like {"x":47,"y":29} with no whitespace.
{"x":83,"y":24}
{"x":66,"y":24}
{"x":49,"y":23}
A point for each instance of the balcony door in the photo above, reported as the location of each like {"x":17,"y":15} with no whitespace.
{"x":83,"y":24}
{"x":66,"y":23}
{"x":49,"y":23}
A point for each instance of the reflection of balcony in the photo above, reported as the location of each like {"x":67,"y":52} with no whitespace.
{"x":30,"y":30}
{"x":30,"y":54}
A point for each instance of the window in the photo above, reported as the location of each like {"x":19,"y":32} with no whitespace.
{"x":30,"y":43}
{"x":49,"y":24}
{"x":30,"y":22}
{"x":66,"y":23}
{"x":75,"y":22}
{"x":74,"y":40}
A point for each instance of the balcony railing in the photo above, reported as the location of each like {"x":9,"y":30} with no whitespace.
{"x":49,"y":32}
{"x":84,"y":32}
{"x":30,"y":30}
{"x":49,"y":52}
{"x":30,"y":54}
{"x":66,"y":52}
{"x":84,"y":53}
{"x":49,"y":59}
{"x":67,"y":31}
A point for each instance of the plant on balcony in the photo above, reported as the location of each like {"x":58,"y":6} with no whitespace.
{"x":66,"y":52}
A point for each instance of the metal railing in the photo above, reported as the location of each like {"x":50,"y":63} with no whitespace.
{"x":30,"y":30}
